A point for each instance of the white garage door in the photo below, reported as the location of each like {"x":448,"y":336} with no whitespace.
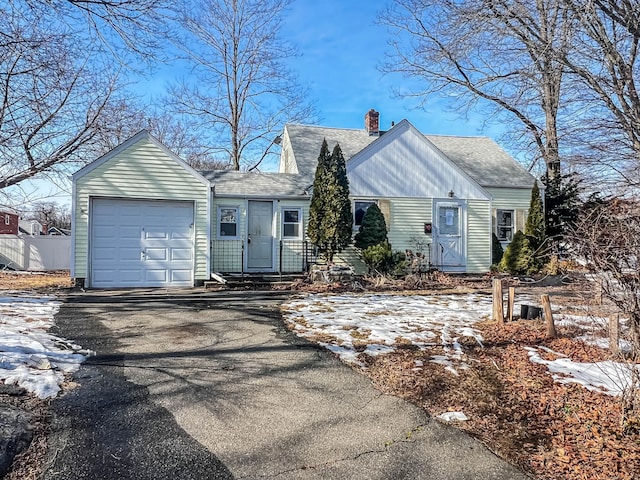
{"x":141,"y":243}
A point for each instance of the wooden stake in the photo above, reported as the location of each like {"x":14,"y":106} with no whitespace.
{"x":512,"y":299}
{"x":548,"y":316}
{"x":614,"y":334}
{"x":498,"y":301}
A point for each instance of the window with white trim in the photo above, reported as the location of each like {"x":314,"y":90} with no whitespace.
{"x":360,"y":207}
{"x":292,"y":223}
{"x":7,"y":219}
{"x":228,"y":223}
{"x":505,"y":221}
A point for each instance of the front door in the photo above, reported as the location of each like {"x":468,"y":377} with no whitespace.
{"x":260,"y":235}
{"x":448,"y":247}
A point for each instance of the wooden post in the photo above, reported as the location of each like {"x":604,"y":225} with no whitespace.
{"x":498,"y":301}
{"x":512,"y":299}
{"x":548,"y":316}
{"x":614,"y":334}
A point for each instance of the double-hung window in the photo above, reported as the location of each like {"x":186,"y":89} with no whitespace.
{"x":505,"y":220}
{"x":228,"y":223}
{"x":292,"y":223}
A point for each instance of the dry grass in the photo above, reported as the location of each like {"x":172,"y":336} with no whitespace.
{"x":34,"y":281}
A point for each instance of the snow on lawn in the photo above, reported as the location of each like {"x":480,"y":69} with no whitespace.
{"x":350,"y":325}
{"x":611,"y":378}
{"x":30,"y":356}
{"x":378,"y":324}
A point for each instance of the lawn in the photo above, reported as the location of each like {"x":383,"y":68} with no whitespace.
{"x":551,"y":406}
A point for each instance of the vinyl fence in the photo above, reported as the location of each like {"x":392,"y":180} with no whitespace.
{"x":37,"y":253}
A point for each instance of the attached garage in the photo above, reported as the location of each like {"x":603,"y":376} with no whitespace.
{"x":141,"y":243}
{"x":141,"y":218}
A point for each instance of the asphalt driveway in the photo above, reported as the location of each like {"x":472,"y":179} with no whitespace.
{"x":188,"y":385}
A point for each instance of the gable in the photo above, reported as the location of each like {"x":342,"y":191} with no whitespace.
{"x":140,"y":148}
{"x":404,"y":163}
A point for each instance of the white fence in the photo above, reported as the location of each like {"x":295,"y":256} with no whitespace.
{"x":38,"y":253}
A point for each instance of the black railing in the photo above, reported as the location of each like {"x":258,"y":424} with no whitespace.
{"x":294,"y":256}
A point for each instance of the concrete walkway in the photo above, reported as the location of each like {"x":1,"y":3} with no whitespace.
{"x":210,"y":385}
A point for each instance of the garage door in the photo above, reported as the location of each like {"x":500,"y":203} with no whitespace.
{"x":141,"y":243}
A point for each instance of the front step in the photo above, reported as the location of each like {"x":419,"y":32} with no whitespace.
{"x":255,"y":280}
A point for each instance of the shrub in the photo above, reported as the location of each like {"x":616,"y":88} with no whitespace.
{"x":373,"y":230}
{"x":518,"y":257}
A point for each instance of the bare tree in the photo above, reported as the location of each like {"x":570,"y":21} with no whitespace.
{"x":239,"y":92}
{"x":61,"y":94}
{"x":605,"y":58}
{"x":51,"y":214}
{"x":501,"y":52}
{"x":607,"y":237}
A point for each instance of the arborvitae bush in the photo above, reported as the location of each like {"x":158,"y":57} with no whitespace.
{"x":518,"y":256}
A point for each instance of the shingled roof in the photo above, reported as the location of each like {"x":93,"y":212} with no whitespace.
{"x":484,"y":160}
{"x":480,"y":157}
{"x":234,"y":183}
{"x":306,"y":141}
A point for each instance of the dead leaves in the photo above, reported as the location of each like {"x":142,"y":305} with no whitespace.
{"x":551,"y":430}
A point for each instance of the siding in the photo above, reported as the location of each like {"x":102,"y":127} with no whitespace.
{"x":141,"y":171}
{"x":478,"y":236}
{"x":406,"y":232}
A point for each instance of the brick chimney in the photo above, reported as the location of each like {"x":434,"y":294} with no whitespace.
{"x":372,"y":122}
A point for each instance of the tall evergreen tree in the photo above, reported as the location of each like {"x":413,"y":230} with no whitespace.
{"x":318,"y":203}
{"x":561,"y":204}
{"x":534,"y":229}
{"x":330,"y":217}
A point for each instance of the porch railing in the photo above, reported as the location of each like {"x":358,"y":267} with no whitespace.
{"x":293,"y":256}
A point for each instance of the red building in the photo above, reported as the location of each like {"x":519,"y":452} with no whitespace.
{"x":8,"y":223}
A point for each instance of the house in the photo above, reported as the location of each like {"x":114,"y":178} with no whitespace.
{"x":31,"y":227}
{"x":143,"y":217}
{"x":9,"y":222}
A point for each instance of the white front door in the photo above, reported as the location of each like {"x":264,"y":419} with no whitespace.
{"x":260,"y":235}
{"x":448,"y":247}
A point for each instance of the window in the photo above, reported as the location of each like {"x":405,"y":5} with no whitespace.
{"x":505,"y":221}
{"x":359,"y":209}
{"x":291,"y":223}
{"x":228,"y":223}
{"x":7,"y":219}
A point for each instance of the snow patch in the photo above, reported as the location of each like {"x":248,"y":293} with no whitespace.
{"x":30,"y":357}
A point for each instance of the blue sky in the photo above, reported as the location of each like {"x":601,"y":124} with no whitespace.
{"x":341,"y":49}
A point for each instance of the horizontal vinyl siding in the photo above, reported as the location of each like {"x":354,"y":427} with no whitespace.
{"x":406,"y":232}
{"x":141,"y":171}
{"x":478,"y":237}
{"x":408,"y":216}
{"x":510,"y":198}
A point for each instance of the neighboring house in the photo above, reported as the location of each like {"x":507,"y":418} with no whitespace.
{"x":9,"y":222}
{"x":143,"y":217}
{"x":31,"y":227}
